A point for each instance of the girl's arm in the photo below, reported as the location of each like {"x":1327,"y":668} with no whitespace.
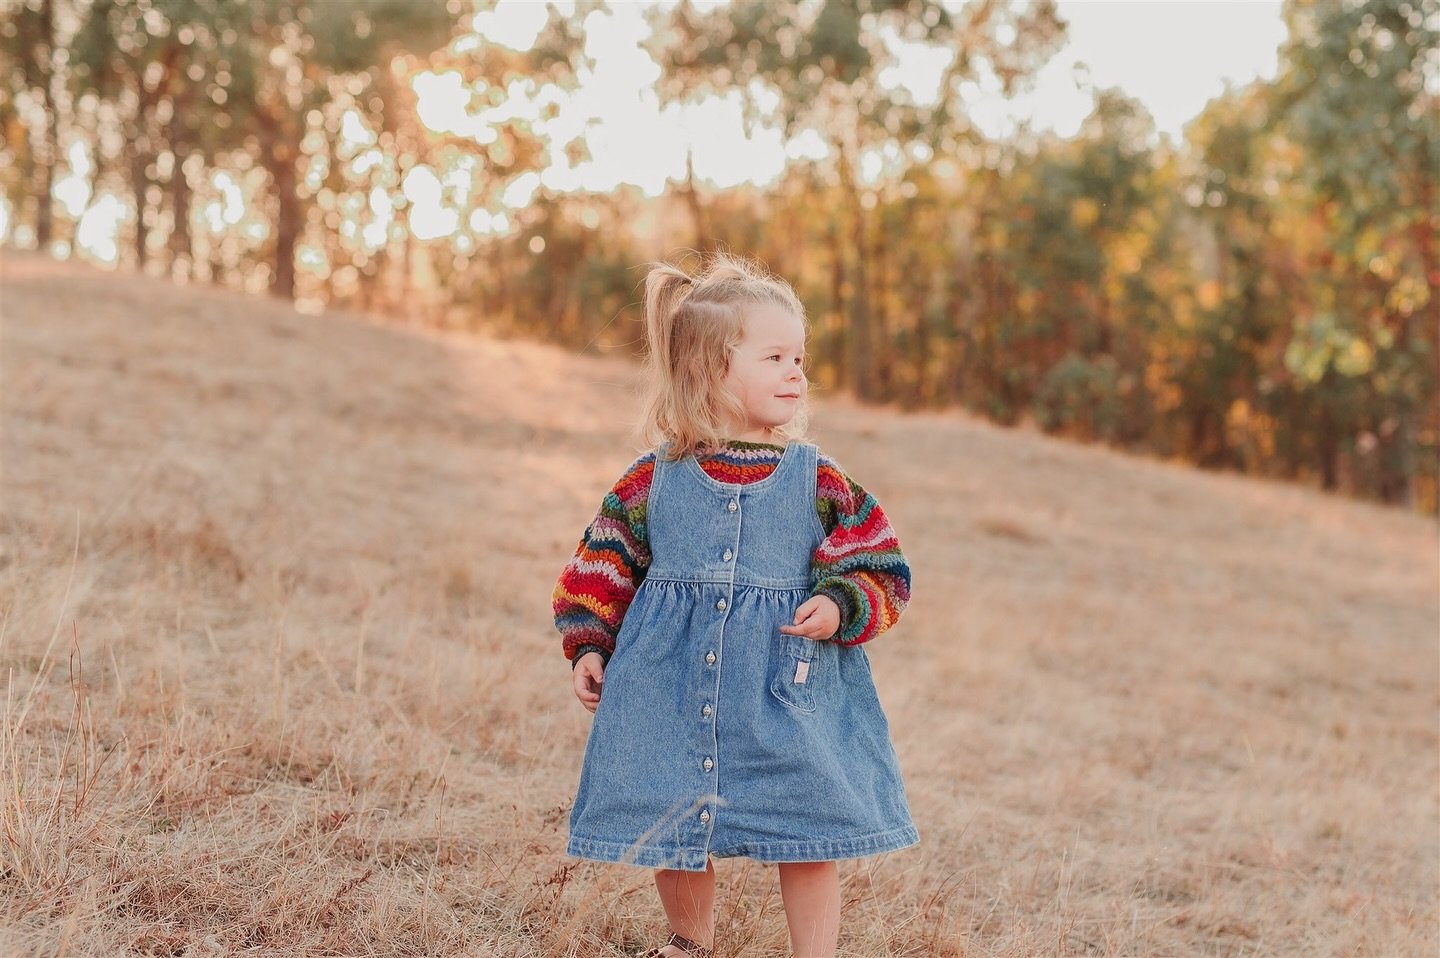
{"x":600,"y":580}
{"x":859,"y":564}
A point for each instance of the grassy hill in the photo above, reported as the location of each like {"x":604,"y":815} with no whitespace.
{"x":282,"y":678}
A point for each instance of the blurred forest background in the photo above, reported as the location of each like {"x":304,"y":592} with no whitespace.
{"x":1261,"y":298}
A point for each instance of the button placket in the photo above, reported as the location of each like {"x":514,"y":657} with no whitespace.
{"x":707,"y":710}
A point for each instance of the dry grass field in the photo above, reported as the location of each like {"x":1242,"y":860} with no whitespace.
{"x":281,"y":678}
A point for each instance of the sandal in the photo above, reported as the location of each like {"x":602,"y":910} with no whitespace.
{"x":685,"y":944}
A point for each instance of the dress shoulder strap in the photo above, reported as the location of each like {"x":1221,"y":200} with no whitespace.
{"x":809,"y":466}
{"x":662,"y":468}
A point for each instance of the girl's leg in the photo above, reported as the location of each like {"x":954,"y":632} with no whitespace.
{"x":689,"y":900}
{"x":811,"y":892}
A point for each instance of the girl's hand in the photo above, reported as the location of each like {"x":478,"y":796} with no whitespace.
{"x":818,"y":618}
{"x":588,"y":675}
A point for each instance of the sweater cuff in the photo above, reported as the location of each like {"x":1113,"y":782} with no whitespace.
{"x":843,"y":598}
{"x":582,"y":649}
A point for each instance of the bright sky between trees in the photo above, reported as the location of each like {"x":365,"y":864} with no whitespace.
{"x":1172,"y":56}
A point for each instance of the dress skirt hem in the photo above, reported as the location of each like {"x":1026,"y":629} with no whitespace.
{"x":695,"y":858}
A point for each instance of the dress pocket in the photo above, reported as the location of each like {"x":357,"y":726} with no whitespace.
{"x":794,"y":672}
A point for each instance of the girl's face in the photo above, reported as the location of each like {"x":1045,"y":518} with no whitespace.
{"x":767,"y":371}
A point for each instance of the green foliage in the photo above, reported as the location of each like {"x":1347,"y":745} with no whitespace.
{"x":1353,"y":102}
{"x":357,"y":35}
{"x":1263,"y":298}
{"x":1323,"y":344}
{"x":1081,"y":395}
{"x":1355,"y":94}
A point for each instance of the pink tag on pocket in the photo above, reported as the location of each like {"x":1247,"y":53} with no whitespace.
{"x":802,"y":671}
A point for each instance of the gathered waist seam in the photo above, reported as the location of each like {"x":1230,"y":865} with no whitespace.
{"x":777,"y":585}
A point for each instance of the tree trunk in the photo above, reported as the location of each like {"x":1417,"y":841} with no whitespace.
{"x":280,"y":129}
{"x":140,"y":187}
{"x":287,"y":220}
{"x":407,"y":274}
{"x":1425,"y":228}
{"x":1396,"y":461}
{"x":1327,"y":436}
{"x":837,"y":298}
{"x":1422,"y":325}
{"x":140,"y":151}
{"x":372,"y":281}
{"x":920,"y":349}
{"x":182,"y":254}
{"x":44,"y":201}
{"x":858,"y":348}
{"x":883,"y":349}
{"x":703,"y":241}
{"x":958,"y":284}
{"x":50,"y":149}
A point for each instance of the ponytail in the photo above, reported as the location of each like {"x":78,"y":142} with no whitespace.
{"x":666,"y":288}
{"x":692,"y":326}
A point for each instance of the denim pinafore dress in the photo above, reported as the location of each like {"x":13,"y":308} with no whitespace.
{"x":716,"y":733}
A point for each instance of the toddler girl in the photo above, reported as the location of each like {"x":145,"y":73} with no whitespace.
{"x":714,"y":614}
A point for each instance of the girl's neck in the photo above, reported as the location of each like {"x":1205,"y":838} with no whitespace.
{"x":763,"y":436}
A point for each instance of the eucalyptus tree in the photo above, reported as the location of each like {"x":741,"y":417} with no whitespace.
{"x":152,"y":76}
{"x":242,"y":74}
{"x":826,"y":68}
{"x":286,"y":52}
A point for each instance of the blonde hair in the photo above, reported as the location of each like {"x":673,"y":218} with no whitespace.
{"x":692,"y":326}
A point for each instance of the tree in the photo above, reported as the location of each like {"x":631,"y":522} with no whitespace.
{"x":1232,"y":388}
{"x":826,"y":62}
{"x":29,"y":39}
{"x":1353,"y":97}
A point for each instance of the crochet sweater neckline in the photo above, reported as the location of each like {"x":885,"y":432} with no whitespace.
{"x":743,"y":444}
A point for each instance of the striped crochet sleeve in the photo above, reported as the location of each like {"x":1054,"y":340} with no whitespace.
{"x":601,"y":578}
{"x":859,"y":564}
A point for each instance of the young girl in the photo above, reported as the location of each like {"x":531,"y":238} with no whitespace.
{"x":714,"y":613}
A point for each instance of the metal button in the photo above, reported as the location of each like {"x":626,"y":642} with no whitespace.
{"x":704,"y":816}
{"x":706,"y":711}
{"x":720,"y":605}
{"x":729,"y":555}
{"x":709,"y":658}
{"x":709,"y":765}
{"x":733,"y":505}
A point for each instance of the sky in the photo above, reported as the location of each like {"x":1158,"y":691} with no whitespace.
{"x":1172,"y":55}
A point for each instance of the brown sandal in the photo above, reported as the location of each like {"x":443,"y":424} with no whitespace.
{"x":685,"y":944}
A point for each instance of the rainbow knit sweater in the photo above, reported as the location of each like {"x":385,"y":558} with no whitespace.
{"x":859,"y":564}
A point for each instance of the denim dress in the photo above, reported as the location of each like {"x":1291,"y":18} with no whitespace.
{"x":716,"y":733}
